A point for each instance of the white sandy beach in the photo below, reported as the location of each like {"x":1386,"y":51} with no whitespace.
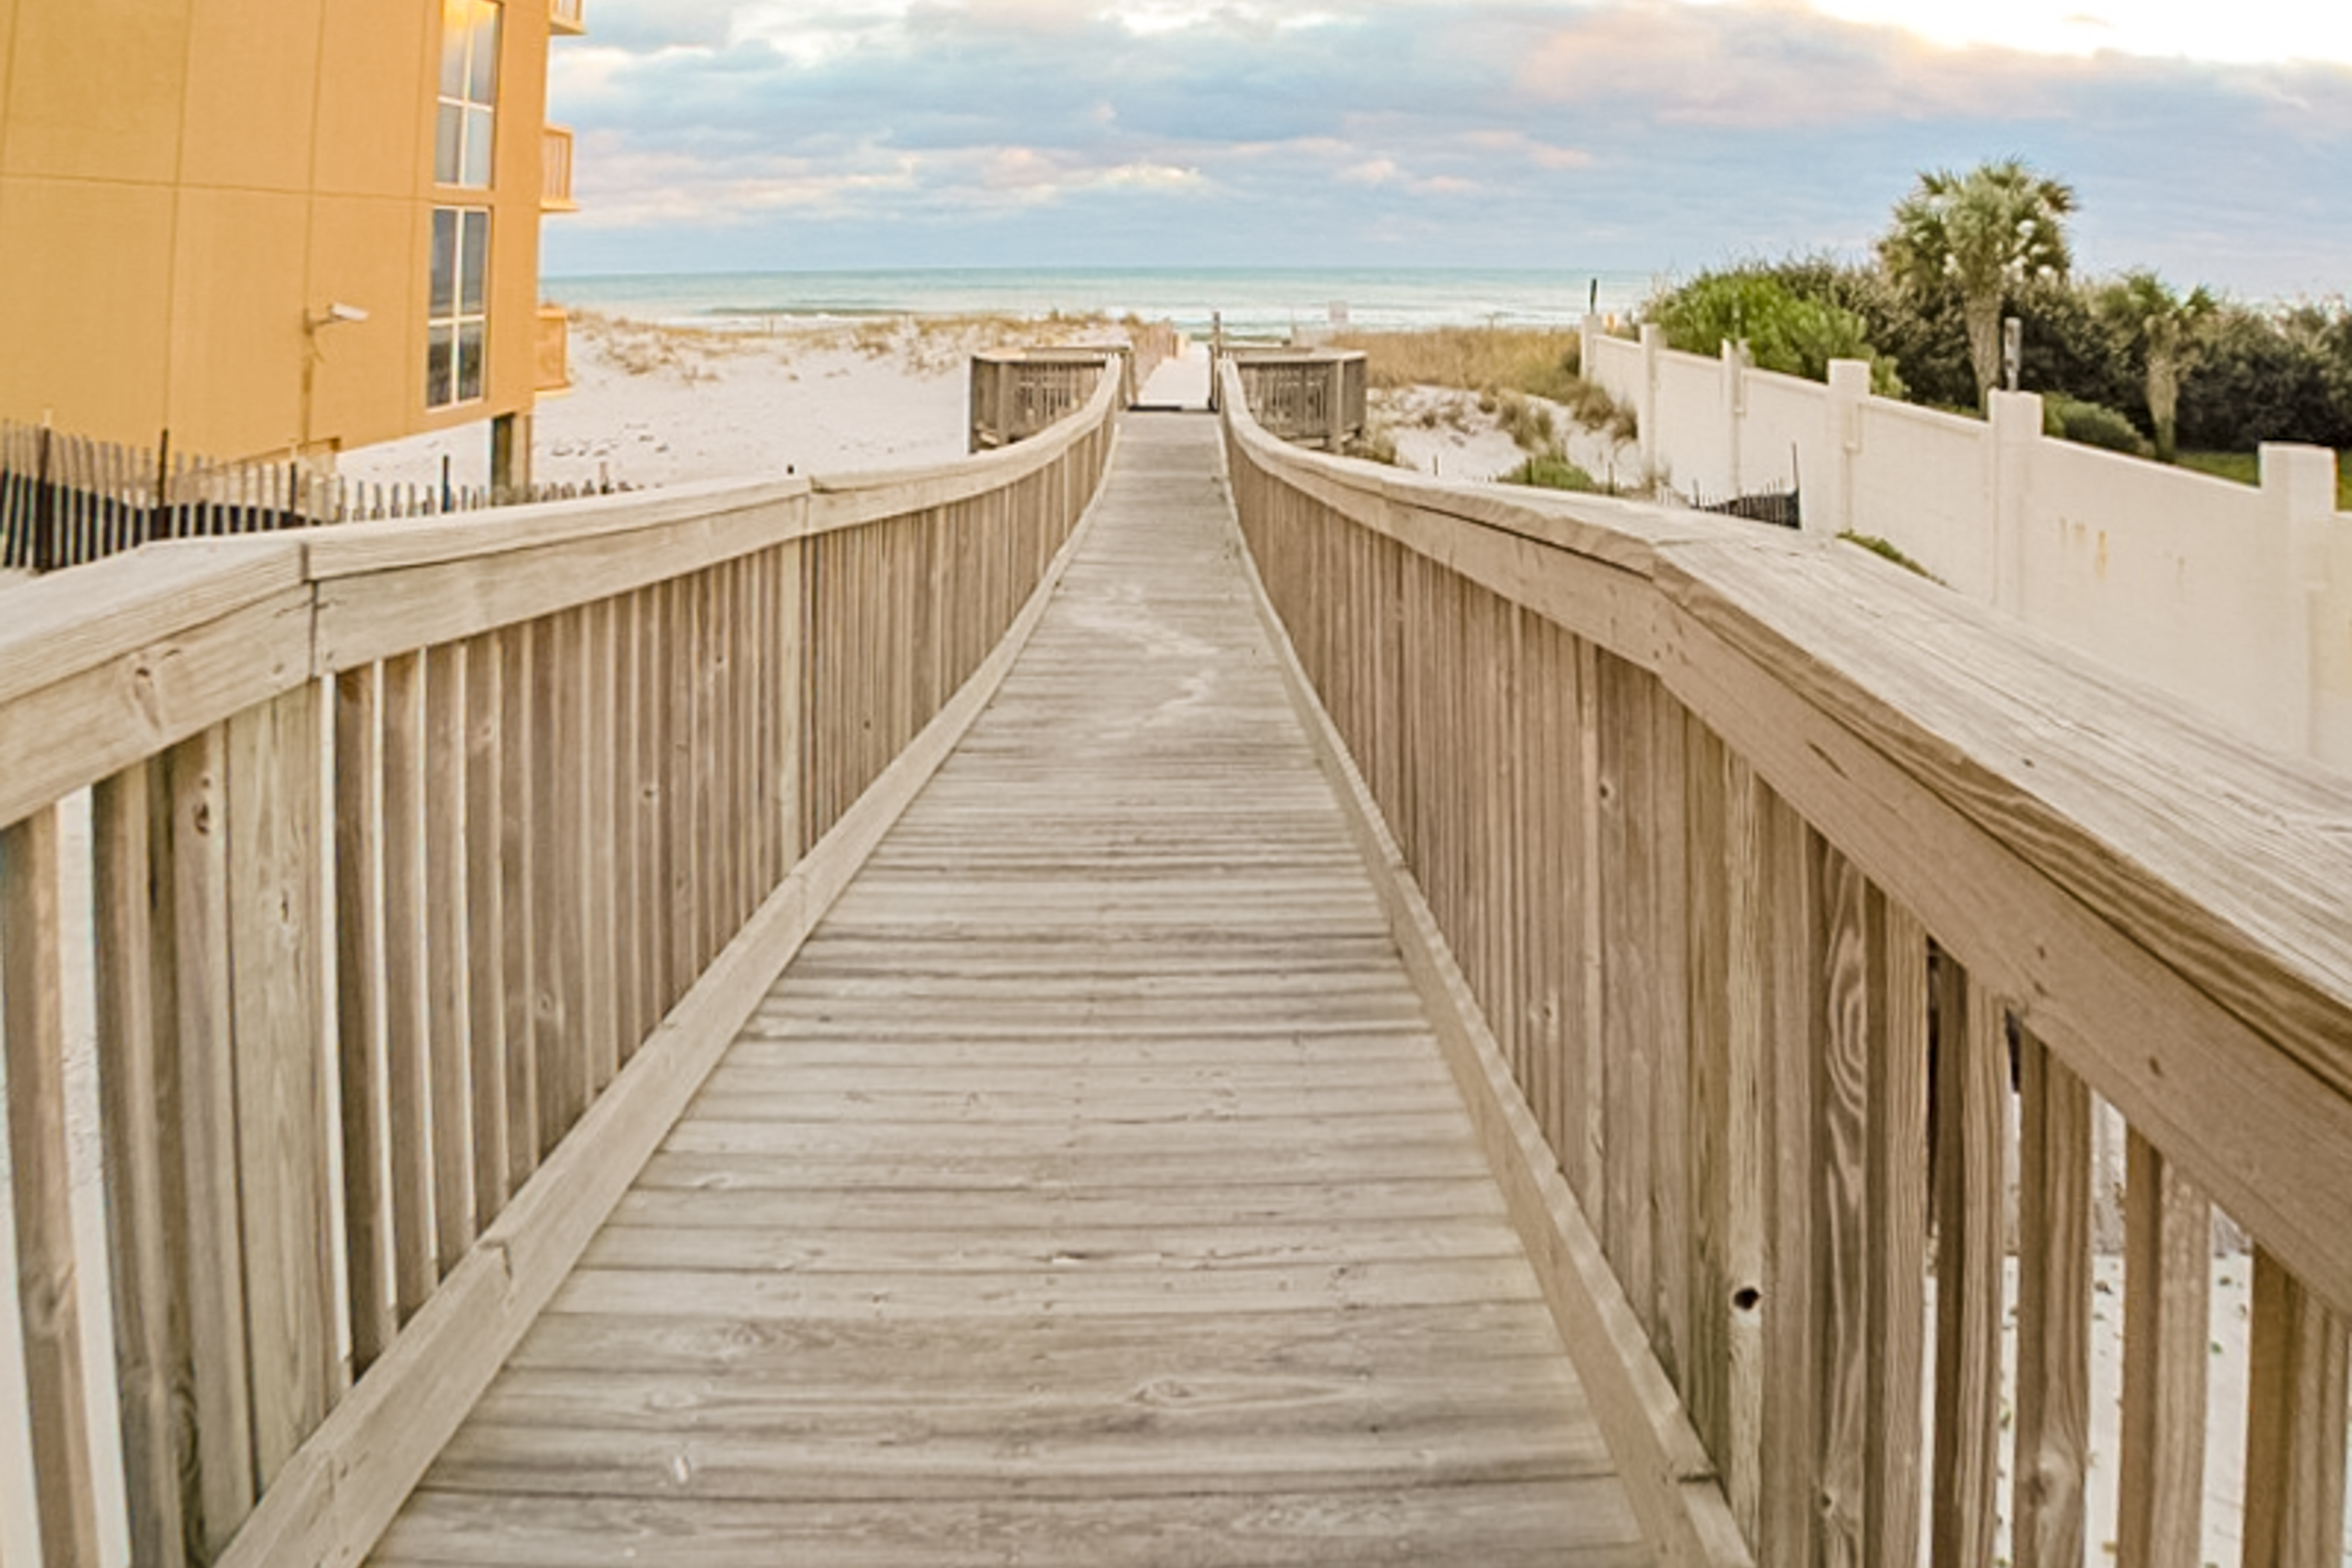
{"x":659,"y":404}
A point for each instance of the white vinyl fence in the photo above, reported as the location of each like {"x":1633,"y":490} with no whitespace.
{"x":2236,"y":599}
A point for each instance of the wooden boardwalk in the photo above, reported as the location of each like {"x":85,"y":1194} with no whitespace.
{"x":1090,"y":1190}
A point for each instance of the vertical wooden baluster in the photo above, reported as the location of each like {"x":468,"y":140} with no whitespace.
{"x":1670,"y":1136}
{"x":1971,"y":1151}
{"x":33,"y":1024}
{"x":521,"y":814}
{"x":599,"y":974}
{"x":560,"y":1071}
{"x":198,"y":773}
{"x":140,"y":1107}
{"x":677,"y":777}
{"x":2054,"y":1311}
{"x":408,"y":1084}
{"x":2295,"y":1430}
{"x":487,"y":744}
{"x":1787,"y":931}
{"x":1897,"y":1198}
{"x":1582,"y":1158}
{"x":791,"y":661}
{"x":626,"y":938}
{"x":449,"y":953}
{"x":359,"y":992}
{"x":1629,"y":914}
{"x":2167,"y":1279}
{"x":281,"y":1118}
{"x":1842,"y":1111}
{"x":653,"y":654}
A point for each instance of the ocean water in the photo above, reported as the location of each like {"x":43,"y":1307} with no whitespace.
{"x":1252,"y":302}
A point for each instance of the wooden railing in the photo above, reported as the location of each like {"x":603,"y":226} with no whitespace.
{"x":1790,"y":905}
{"x":1014,"y":396}
{"x":432,"y":863}
{"x":1315,"y":397}
{"x":566,"y":17}
{"x":555,"y":175}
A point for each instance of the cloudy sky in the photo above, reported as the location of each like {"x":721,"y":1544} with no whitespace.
{"x":2214,"y":141}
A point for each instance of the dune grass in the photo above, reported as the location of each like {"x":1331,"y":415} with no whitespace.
{"x":928,"y":345}
{"x":1492,"y":361}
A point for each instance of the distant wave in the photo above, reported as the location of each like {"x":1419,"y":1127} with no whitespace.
{"x":1252,"y":302}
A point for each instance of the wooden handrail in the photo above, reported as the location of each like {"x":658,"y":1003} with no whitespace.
{"x":1721,"y":830}
{"x":594,"y":765}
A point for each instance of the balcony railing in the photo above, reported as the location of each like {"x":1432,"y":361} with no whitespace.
{"x":556,"y":181}
{"x":554,"y":351}
{"x":565,"y":16}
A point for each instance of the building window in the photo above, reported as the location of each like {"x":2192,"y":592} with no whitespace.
{"x":458,"y":325}
{"x":469,"y":92}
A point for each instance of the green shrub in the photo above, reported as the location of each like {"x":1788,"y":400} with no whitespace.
{"x":2092,"y":424}
{"x":1550,"y":471}
{"x":1794,"y":333}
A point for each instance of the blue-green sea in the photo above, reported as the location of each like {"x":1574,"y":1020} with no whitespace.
{"x":1252,"y":302}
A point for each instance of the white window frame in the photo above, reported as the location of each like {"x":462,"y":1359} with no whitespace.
{"x":465,"y":125}
{"x":462,"y":313}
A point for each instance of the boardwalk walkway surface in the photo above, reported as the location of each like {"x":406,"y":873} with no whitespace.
{"x":1089,"y":1191}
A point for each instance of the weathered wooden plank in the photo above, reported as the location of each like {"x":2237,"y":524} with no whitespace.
{"x":2054,"y":1311}
{"x":448,"y":955}
{"x":359,"y":1021}
{"x":1842,"y":1079}
{"x":1896,"y":1199}
{"x":1522,"y":1524}
{"x":2167,"y":1281}
{"x":487,"y":744}
{"x":32,"y":1027}
{"x":138,"y":1050}
{"x":1788,"y":938}
{"x":74,"y":728}
{"x":2295,"y":1426}
{"x":522,"y":765}
{"x":274,"y":819}
{"x":198,"y":775}
{"x":407,"y":966}
{"x":1971,"y":1175}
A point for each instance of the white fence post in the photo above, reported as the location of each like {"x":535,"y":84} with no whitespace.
{"x":1653,"y":342}
{"x":2299,"y":485}
{"x":1735,"y":408}
{"x":2016,"y":429}
{"x":1849,"y":384}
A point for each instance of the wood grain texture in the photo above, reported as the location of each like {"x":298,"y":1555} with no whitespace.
{"x":2295,"y":1427}
{"x":2054,"y":1311}
{"x":140,"y":1110}
{"x":2167,"y":1283}
{"x":32,"y":1026}
{"x":1971,"y":1175}
{"x":1135,"y":829}
{"x":197,"y":771}
{"x":274,"y":819}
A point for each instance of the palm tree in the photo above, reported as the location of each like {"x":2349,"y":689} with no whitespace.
{"x":2155,"y":326}
{"x":1980,"y":234}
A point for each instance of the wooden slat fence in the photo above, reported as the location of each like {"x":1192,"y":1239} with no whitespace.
{"x":1014,"y":396}
{"x":67,"y":500}
{"x":1802,"y":904}
{"x":415,"y":850}
{"x":1315,"y":397}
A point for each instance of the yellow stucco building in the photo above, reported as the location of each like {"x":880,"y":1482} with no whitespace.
{"x":268,"y":224}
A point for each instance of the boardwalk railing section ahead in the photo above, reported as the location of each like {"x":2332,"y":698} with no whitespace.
{"x":587,"y":760}
{"x":1810,"y":913}
{"x":1014,"y":396}
{"x":1315,"y":397}
{"x":67,"y":500}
